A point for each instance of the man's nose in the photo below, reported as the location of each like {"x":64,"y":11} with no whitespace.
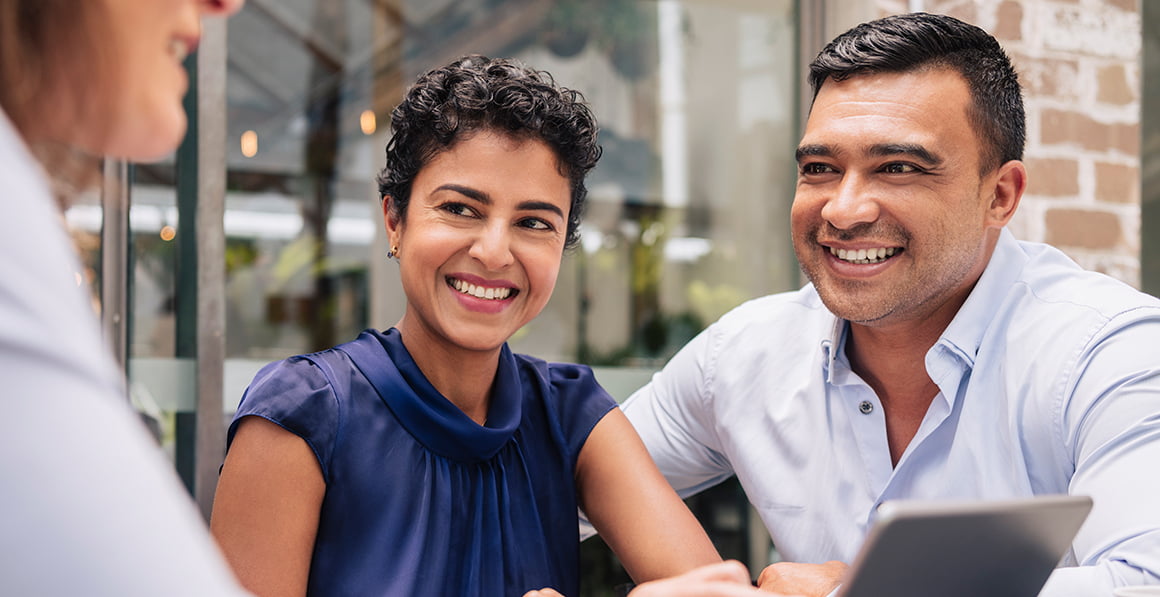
{"x":853,"y":203}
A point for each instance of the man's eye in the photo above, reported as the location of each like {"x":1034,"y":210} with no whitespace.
{"x":816,"y":168}
{"x":898,"y":168}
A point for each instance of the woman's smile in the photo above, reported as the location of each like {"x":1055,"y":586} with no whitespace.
{"x":482,"y":297}
{"x":482,"y":291}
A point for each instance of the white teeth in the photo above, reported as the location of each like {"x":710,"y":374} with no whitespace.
{"x":468,"y":288}
{"x":864,"y":256}
{"x":178,"y":49}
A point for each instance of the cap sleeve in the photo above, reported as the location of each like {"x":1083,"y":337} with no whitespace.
{"x":581,"y":401}
{"x":296,"y":395}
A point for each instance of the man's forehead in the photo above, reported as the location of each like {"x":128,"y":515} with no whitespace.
{"x":889,"y":108}
{"x":941,"y":84}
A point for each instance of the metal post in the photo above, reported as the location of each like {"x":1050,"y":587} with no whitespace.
{"x":115,"y":239}
{"x":1150,"y":150}
{"x":811,"y":39}
{"x":210,"y":231}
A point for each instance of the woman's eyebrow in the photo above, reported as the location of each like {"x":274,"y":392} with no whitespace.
{"x":541,"y":205}
{"x":485,"y":199}
{"x":469,"y":192}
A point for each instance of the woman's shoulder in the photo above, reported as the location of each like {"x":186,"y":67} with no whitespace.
{"x":297,"y":394}
{"x":301,"y":386}
{"x":561,"y":376}
{"x":562,"y":400}
{"x":572,"y":387}
{"x":297,"y":373}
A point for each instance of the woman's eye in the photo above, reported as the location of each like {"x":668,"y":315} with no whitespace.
{"x":535,"y":224}
{"x":457,"y":209}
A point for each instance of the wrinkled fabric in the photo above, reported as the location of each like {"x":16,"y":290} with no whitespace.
{"x":420,"y":499}
{"x":1049,"y":383}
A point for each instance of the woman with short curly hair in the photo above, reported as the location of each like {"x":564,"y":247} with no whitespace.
{"x":429,"y":459}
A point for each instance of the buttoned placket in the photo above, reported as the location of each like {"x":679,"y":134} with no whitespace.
{"x":867,"y":420}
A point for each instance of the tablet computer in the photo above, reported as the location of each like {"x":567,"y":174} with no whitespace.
{"x":965,"y":549}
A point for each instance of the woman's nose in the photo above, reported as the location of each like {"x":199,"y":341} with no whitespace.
{"x":492,"y":247}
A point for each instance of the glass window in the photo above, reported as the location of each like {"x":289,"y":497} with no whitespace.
{"x":687,"y":209}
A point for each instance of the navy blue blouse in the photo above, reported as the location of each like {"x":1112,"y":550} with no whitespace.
{"x":420,"y":499}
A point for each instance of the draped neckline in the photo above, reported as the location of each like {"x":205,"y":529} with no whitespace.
{"x":434,"y":420}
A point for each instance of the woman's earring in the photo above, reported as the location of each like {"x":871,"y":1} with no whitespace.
{"x":393,"y":253}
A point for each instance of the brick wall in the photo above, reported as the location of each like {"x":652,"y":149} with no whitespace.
{"x":1080,"y":63}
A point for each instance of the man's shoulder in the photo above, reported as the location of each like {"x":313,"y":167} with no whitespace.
{"x":1051,"y":280}
{"x":784,"y":314}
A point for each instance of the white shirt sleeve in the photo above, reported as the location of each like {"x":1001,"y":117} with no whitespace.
{"x":1111,"y":425}
{"x":88,"y":503}
{"x":674,"y":416}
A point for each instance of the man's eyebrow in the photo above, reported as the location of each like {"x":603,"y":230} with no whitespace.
{"x":914,"y":149}
{"x":485,"y":199}
{"x":805,"y":151}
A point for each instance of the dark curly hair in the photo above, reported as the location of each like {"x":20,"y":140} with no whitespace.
{"x":910,"y":42}
{"x":476,"y":93}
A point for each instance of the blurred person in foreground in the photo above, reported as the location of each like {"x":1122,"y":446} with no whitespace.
{"x":89,"y":505}
{"x":932,"y":355}
{"x":428,"y":459}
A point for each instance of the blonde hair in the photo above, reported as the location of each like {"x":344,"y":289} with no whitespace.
{"x":56,"y":71}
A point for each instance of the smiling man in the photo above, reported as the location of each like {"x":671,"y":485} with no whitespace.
{"x":932,"y":355}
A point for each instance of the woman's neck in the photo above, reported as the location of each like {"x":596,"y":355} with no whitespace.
{"x":464,"y":377}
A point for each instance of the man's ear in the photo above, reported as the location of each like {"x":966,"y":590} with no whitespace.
{"x":1010,"y":182}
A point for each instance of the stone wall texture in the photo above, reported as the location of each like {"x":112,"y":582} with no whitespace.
{"x":1080,"y":63}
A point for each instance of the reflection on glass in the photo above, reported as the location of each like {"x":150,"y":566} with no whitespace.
{"x":687,"y":210}
{"x":83,"y":219}
{"x":153,"y":228}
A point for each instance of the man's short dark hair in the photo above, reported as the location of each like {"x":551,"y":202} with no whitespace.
{"x":476,"y":94}
{"x":915,"y":41}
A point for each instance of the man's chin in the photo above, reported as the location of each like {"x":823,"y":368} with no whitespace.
{"x":851,"y":305}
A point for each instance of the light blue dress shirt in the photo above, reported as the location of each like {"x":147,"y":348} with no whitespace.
{"x":1049,"y":380}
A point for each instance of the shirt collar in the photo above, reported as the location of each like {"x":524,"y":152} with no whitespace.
{"x":833,"y":346}
{"x":965,"y":333}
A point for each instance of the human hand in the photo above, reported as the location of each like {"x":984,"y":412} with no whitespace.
{"x":808,"y":580}
{"x":725,"y":579}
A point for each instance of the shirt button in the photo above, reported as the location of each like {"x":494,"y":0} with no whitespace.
{"x":866,"y":407}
